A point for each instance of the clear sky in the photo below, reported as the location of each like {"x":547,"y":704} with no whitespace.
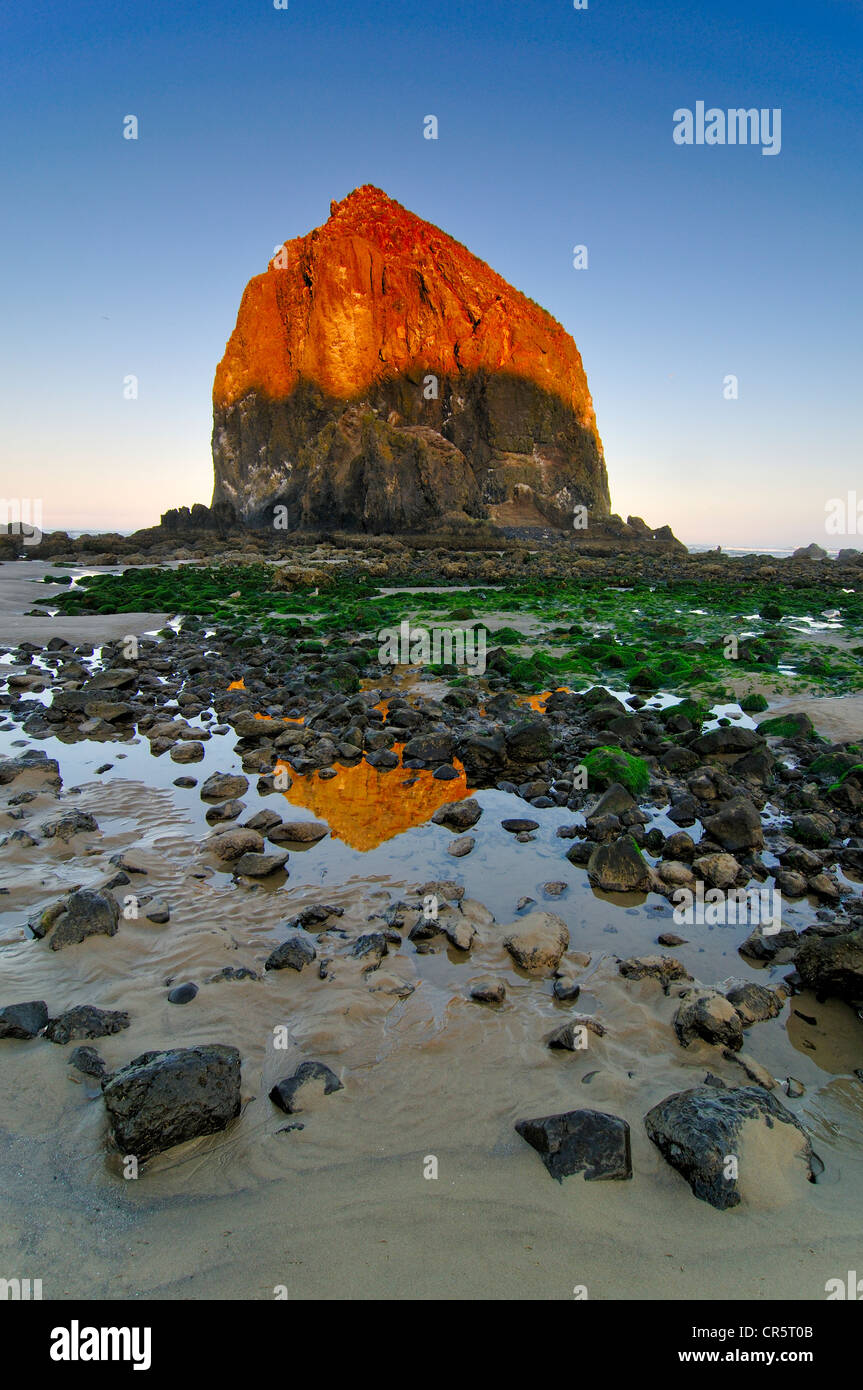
{"x":125,"y":257}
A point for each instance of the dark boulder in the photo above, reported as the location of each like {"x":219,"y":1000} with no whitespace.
{"x":165,"y":1098}
{"x":696,"y":1131}
{"x":23,"y":1020}
{"x":580,"y":1141}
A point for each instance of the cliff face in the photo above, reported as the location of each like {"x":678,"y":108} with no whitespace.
{"x":380,"y":377}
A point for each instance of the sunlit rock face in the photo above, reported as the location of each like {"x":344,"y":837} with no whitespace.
{"x":381,"y":377}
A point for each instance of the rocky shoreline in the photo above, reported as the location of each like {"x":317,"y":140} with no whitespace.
{"x":650,"y":795}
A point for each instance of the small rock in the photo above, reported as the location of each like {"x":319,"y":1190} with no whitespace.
{"x":708,"y":1015}
{"x":284,"y":1094}
{"x":665,"y":969}
{"x":86,"y":1021}
{"x":581,"y":1141}
{"x":696,"y":1130}
{"x":292,"y":954}
{"x":488,"y":991}
{"x":260,"y":865}
{"x":460,"y":846}
{"x":571,"y":1035}
{"x":459,"y":815}
{"x":182,"y":994}
{"x":87,"y":1061}
{"x":538,"y":941}
{"x":619,"y":867}
{"x":224,"y":786}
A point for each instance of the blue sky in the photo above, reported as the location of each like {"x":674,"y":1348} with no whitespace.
{"x":129,"y":257}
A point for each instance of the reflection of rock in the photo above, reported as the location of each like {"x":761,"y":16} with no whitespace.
{"x":365,"y":807}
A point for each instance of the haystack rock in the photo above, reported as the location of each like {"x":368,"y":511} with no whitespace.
{"x":382,"y":378}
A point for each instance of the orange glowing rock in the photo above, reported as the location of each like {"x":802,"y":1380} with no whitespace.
{"x":365,"y":807}
{"x":380,"y":373}
{"x":353,"y":302}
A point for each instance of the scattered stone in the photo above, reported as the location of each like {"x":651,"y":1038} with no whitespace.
{"x":230,"y":845}
{"x":696,"y":1130}
{"x":69,"y":824}
{"x":224,"y":786}
{"x":186,"y":752}
{"x":519,"y":827}
{"x":157,"y":912}
{"x":619,"y":867}
{"x":128,"y":861}
{"x":285,"y":1093}
{"x":301,"y":832}
{"x":460,"y":846}
{"x":581,"y":1141}
{"x":458,"y":815}
{"x":86,"y":1021}
{"x":570,"y":1037}
{"x":737,"y":825}
{"x":292,"y":954}
{"x":253,"y":865}
{"x":670,"y":938}
{"x":23,"y":1020}
{"x":182,"y":994}
{"x":707,"y":1014}
{"x":263,"y":821}
{"x":779,"y":946}
{"x":80,"y":914}
{"x":88,"y":1061}
{"x":488,"y":991}
{"x":538,"y":941}
{"x":665,"y":969}
{"x":566,"y":989}
{"x":164,"y":1098}
{"x":615,"y":801}
{"x":372,"y":946}
{"x":225,"y":811}
{"x":755,"y":1003}
{"x":832,"y":966}
{"x":458,"y":932}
